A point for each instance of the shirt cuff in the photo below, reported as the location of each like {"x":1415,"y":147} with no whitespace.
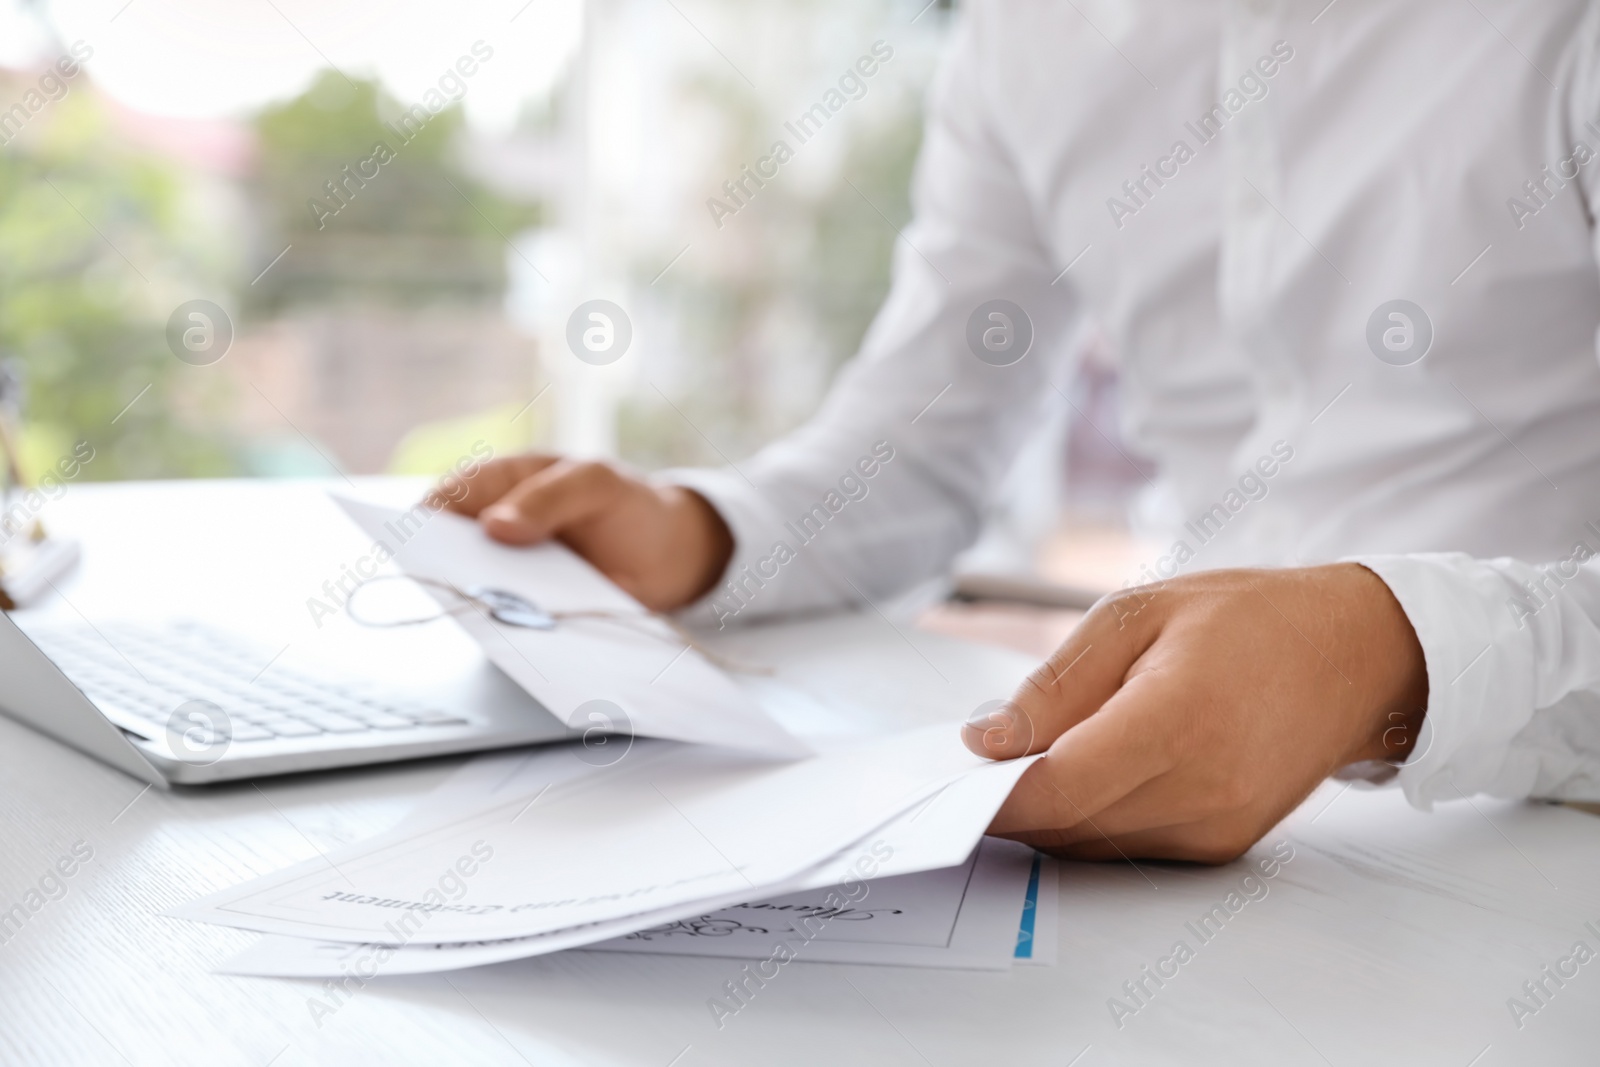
{"x":1481,"y":683}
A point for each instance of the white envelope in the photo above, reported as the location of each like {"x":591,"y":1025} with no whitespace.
{"x":663,"y":687}
{"x":937,"y":832}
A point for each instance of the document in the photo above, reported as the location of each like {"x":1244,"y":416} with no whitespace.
{"x":938,"y":832}
{"x":1037,"y":937}
{"x":619,"y":670}
{"x":964,"y":916}
{"x":669,"y":827}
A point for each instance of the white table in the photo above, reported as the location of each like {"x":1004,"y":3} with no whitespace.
{"x":1391,"y":937}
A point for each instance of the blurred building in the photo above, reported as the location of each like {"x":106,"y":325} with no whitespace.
{"x":351,"y":382}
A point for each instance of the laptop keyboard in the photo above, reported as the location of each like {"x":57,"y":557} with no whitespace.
{"x":140,"y":675}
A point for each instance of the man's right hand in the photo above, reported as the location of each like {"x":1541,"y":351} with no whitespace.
{"x":665,"y":545}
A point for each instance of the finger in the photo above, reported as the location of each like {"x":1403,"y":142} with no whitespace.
{"x":1077,"y":679}
{"x":1097,"y":762}
{"x":1171,"y":799}
{"x":1205,"y":841}
{"x":1129,"y":815}
{"x":1198,"y":791}
{"x":556,"y":498}
{"x":469,"y":494}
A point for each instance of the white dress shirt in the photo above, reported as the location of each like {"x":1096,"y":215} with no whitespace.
{"x":1429,"y":151}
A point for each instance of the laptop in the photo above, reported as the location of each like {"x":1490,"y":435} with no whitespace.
{"x":190,"y":703}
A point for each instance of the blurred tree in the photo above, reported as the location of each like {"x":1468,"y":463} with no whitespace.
{"x":96,"y":248}
{"x":801,"y":275}
{"x":402,"y":223}
{"x":845,"y":279}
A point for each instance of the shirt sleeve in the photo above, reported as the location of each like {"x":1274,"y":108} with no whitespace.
{"x":888,"y":481}
{"x":1513,"y":647}
{"x":1513,"y":658}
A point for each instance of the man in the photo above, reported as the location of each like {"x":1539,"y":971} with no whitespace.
{"x":1347,"y":261}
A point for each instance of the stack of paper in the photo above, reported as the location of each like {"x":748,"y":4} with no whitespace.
{"x":962,"y":916}
{"x":706,"y":828}
{"x":570,"y":854}
{"x":984,"y":914}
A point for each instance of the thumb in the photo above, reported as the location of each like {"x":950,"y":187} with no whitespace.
{"x":1080,"y":676}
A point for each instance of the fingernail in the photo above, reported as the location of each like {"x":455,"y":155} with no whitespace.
{"x":994,"y":720}
{"x":510,"y":521}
